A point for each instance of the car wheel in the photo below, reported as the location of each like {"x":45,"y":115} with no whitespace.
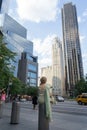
{"x":79,"y":102}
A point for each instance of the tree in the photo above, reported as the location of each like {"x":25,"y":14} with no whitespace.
{"x":32,"y":91}
{"x":6,"y":68}
{"x":17,"y":87}
{"x":81,"y":87}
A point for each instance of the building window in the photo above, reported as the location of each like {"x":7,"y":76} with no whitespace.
{"x":31,"y":82}
{"x":32,"y":75}
{"x":29,"y":57}
{"x":32,"y":67}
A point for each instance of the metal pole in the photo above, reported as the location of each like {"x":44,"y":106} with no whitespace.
{"x":8,"y":89}
{"x":1,"y":109}
{"x":15,"y":113}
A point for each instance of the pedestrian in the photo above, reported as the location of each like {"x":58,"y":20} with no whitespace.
{"x":34,"y":101}
{"x":3,"y":96}
{"x":45,"y":113}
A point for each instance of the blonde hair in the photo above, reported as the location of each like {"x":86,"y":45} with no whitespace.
{"x":43,"y":80}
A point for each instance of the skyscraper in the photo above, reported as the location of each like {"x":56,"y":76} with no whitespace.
{"x":4,"y":4}
{"x":71,"y":46}
{"x":55,"y":73}
{"x":0,"y":5}
{"x":28,"y":69}
{"x":57,"y":68}
{"x":47,"y":71}
{"x":15,"y":35}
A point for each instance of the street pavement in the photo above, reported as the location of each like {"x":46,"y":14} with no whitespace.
{"x":29,"y":119}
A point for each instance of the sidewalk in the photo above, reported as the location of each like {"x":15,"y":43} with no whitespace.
{"x":28,"y":119}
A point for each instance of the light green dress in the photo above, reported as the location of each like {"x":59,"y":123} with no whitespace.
{"x":44,"y":97}
{"x":44,"y":113}
{"x":47,"y":102}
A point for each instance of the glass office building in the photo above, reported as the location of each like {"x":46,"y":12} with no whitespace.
{"x":15,"y":37}
{"x":4,"y":4}
{"x":11,"y":26}
{"x":28,"y":69}
{"x":71,"y":46}
{"x":18,"y":44}
{"x":0,"y":5}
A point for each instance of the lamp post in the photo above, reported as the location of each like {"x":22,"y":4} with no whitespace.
{"x":8,"y":89}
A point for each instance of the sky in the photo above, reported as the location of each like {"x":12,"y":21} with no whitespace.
{"x":42,"y":19}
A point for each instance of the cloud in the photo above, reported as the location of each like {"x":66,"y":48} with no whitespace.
{"x":84,"y":56}
{"x":41,"y":10}
{"x":43,"y":49}
{"x":82,"y":38}
{"x":13,"y":13}
{"x":81,"y":19}
{"x":85,"y":13}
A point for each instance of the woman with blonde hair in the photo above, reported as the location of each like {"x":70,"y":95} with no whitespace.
{"x":45,"y":113}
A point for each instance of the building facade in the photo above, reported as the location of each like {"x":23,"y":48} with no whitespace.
{"x":28,"y":69}
{"x":12,"y":26}
{"x":55,"y":73}
{"x":4,"y":4}
{"x":71,"y":47}
{"x":0,"y":5}
{"x":57,"y":68}
{"x":47,"y":71}
{"x":15,"y":37}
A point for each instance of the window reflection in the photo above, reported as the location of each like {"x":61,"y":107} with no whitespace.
{"x":32,"y":67}
{"x":29,"y":57}
{"x":31,"y":82}
{"x":31,"y":74}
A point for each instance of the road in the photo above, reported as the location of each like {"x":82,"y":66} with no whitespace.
{"x":69,"y":107}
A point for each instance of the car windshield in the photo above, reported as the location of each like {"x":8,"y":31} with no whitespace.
{"x":60,"y":97}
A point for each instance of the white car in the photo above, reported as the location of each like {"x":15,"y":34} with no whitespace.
{"x":60,"y":99}
{"x":23,"y":100}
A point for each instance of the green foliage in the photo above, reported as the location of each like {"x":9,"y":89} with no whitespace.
{"x":81,"y":87}
{"x":17,"y":87}
{"x":6,"y":69}
{"x":32,"y":91}
{"x":6,"y":72}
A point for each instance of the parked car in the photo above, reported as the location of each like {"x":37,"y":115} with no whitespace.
{"x":81,"y":99}
{"x":59,"y":98}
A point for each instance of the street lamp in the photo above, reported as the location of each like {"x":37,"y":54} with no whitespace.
{"x":8,"y":89}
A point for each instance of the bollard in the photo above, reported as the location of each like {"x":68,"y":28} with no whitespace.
{"x":43,"y":122}
{"x":15,"y":113}
{"x":1,"y":109}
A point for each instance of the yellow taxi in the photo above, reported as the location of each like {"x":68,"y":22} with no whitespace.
{"x":81,"y":99}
